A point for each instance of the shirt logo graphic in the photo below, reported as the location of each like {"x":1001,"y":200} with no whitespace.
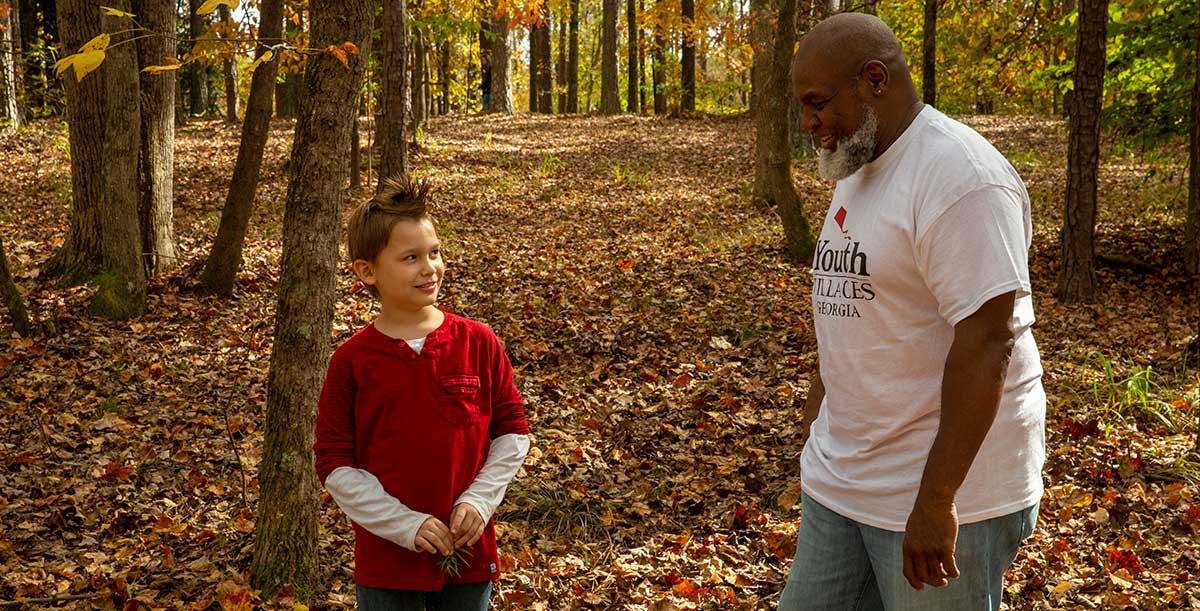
{"x":840,"y":217}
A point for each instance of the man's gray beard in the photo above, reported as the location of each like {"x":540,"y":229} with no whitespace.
{"x":852,"y":152}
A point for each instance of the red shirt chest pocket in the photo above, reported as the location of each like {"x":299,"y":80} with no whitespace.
{"x":461,"y":399}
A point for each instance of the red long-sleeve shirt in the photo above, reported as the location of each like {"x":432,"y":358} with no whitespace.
{"x":422,"y":424}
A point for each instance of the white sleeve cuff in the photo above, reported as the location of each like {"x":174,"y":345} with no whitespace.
{"x":360,"y":495}
{"x":505,"y":457}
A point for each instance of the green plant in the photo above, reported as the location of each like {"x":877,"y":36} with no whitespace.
{"x":1135,"y":395}
{"x":556,"y":511}
{"x":452,"y":564}
{"x":550,"y":164}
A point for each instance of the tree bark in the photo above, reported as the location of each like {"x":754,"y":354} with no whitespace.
{"x":220,"y":270}
{"x":634,"y":88}
{"x":772,"y":150}
{"x":79,"y":258}
{"x":610,"y":97}
{"x":1191,"y":241}
{"x":10,"y":80}
{"x":573,"y":59}
{"x":444,"y":77}
{"x":12,"y":298}
{"x":156,"y":173}
{"x":285,"y":543}
{"x":1077,"y":276}
{"x":929,"y":54}
{"x":500,"y":98}
{"x":560,"y":66}
{"x":658,"y":70}
{"x":688,"y":56}
{"x":545,"y":79}
{"x":394,"y":99}
{"x":121,"y":291}
{"x":420,"y":82}
{"x":229,"y":70}
{"x":197,"y":73}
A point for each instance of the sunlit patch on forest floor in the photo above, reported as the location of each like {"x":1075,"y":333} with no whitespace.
{"x":662,"y":343}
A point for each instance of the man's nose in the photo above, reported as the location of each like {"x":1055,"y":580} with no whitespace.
{"x":808,"y":120}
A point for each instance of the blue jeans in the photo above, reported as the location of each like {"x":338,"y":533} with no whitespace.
{"x":453,"y":597}
{"x":843,"y":565}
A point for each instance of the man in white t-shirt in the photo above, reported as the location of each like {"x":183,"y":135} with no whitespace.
{"x":925,"y":427}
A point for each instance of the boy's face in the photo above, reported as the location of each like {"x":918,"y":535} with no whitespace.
{"x":408,"y":271}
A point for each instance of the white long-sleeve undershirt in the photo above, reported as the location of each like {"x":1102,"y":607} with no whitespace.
{"x":360,"y":495}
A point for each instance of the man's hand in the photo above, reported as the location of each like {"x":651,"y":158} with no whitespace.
{"x":466,"y":525}
{"x":929,"y":539}
{"x":434,"y":537}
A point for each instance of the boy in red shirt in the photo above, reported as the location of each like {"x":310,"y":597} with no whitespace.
{"x":420,"y":428}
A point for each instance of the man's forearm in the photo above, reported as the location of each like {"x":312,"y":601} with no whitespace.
{"x":812,"y":404}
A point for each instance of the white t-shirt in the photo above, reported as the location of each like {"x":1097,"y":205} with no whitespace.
{"x":913,"y":243}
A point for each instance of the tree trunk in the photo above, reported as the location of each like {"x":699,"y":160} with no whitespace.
{"x":688,"y":56}
{"x":1077,"y":276}
{"x":573,"y":59}
{"x":500,"y":97}
{"x":633,"y":90}
{"x":658,"y":70}
{"x":393,"y":137}
{"x":610,"y":96}
{"x":285,"y":543}
{"x":156,"y":173}
{"x":78,"y":259}
{"x":10,"y":80}
{"x":929,"y":54}
{"x":12,"y":299}
{"x":560,"y":67}
{"x":34,"y":64}
{"x":772,"y":151}
{"x":762,"y":22}
{"x":595,"y":61}
{"x":545,"y":80}
{"x":534,"y":71}
{"x":220,"y":270}
{"x":197,"y":73}
{"x":229,"y":70}
{"x":121,"y":291}
{"x":444,"y":74}
{"x":420,"y":82}
{"x":1191,"y":242}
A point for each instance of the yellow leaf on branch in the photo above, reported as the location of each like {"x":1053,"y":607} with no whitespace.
{"x":99,"y":43}
{"x":211,"y":5}
{"x":108,"y":10}
{"x":83,"y":63}
{"x":265,"y":57}
{"x":169,"y":63}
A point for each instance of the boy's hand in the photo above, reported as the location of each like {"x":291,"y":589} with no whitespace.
{"x":466,"y":525}
{"x":434,"y":537}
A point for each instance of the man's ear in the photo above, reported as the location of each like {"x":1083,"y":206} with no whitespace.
{"x":876,"y":75}
{"x":365,"y":270}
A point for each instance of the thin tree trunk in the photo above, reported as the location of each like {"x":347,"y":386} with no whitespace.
{"x":420,"y":83}
{"x":534,"y":70}
{"x":688,"y":56}
{"x":156,"y":175}
{"x":121,"y":291}
{"x":500,"y":99}
{"x":10,"y":80}
{"x":355,"y":156}
{"x":79,"y":258}
{"x":444,"y":73}
{"x":1191,"y":241}
{"x":573,"y":60}
{"x":545,"y":80}
{"x":610,"y":96}
{"x":197,"y":72}
{"x":762,"y":22}
{"x":633,"y":88}
{"x":1077,"y":276}
{"x":641,"y":67}
{"x":595,"y":61}
{"x":929,"y":54}
{"x":394,"y":99}
{"x":658,"y":70}
{"x":285,"y":542}
{"x":12,"y":299}
{"x":229,"y":70}
{"x":560,"y":67}
{"x":772,"y":151}
{"x":34,"y":68}
{"x":220,"y":270}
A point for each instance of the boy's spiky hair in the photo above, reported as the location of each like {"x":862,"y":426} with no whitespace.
{"x":371,"y":223}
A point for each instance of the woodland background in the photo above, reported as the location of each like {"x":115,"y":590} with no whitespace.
{"x":626,"y":200}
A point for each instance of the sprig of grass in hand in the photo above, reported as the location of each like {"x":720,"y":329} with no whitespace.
{"x":452,"y":564}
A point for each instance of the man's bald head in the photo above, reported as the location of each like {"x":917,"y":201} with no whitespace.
{"x":846,"y":42}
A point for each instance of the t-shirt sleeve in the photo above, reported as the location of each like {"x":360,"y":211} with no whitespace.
{"x":976,"y":250}
{"x":508,"y":409}
{"x":334,"y":446}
